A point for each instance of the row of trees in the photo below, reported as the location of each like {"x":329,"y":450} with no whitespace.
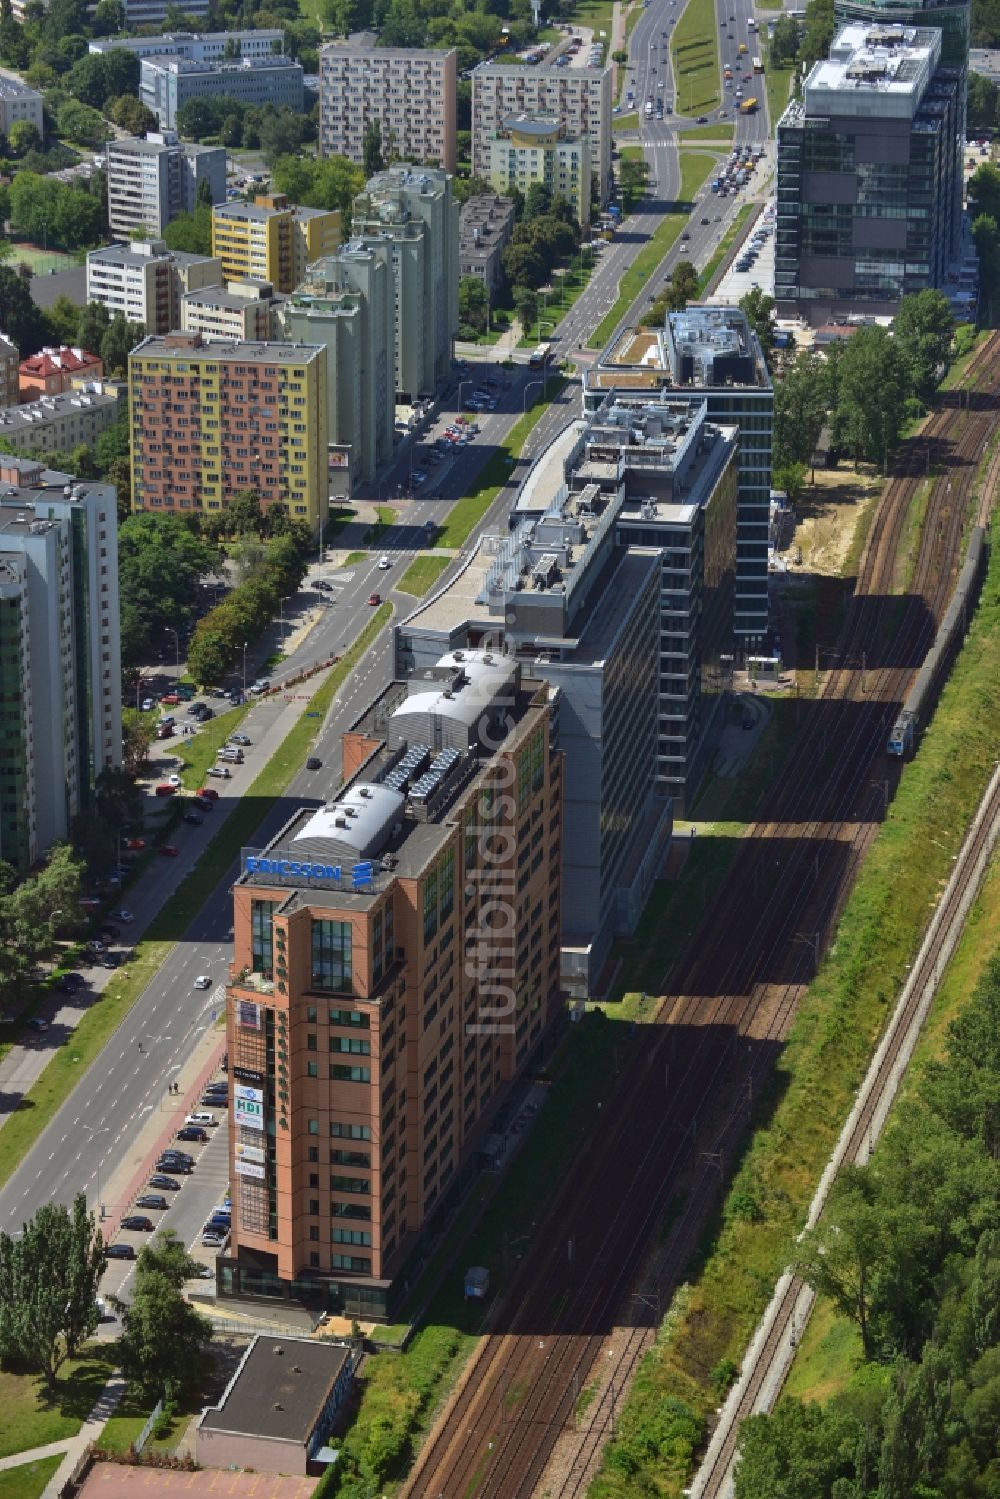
{"x":49,"y":1275}
{"x":866,"y":387}
{"x":476,"y":34}
{"x":33,"y":912}
{"x":271,"y":570}
{"x":162,"y":1334}
{"x":909,"y":1251}
{"x":57,"y":213}
{"x":275,"y":132}
{"x":161,"y":563}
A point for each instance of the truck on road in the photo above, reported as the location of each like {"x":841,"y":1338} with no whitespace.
{"x":748,"y":107}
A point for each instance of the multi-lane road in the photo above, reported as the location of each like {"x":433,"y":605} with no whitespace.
{"x":85,"y":1140}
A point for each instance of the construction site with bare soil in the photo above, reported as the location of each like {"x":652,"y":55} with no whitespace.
{"x":586,"y":1300}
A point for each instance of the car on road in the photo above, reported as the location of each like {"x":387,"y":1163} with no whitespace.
{"x":704,"y":221}
{"x":702,"y":120}
{"x":135,"y":845}
{"x":123,"y":915}
{"x":71,"y":982}
{"x":203,"y":803}
{"x":374,"y":599}
{"x":236,"y":698}
{"x":153,"y":1200}
{"x":212,"y":1240}
{"x":209,"y":792}
{"x":37,"y":1023}
{"x":218,"y":770}
{"x":192,"y":1133}
{"x":203,"y":981}
{"x":165,"y":1183}
{"x":239,"y":739}
{"x":120,"y":1252}
{"x":170,"y":851}
{"x":166,"y":789}
{"x":138,"y":1223}
{"x":384,"y":562}
{"x":194,"y":818}
{"x":313,"y":763}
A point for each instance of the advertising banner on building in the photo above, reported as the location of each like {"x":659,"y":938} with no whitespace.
{"x":248,"y":1107}
{"x":247,"y":1168}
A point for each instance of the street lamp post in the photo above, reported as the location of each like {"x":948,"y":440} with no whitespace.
{"x":281,"y":621}
{"x":177,"y":648}
{"x":93,"y":1132}
{"x":244,"y":671}
{"x":526,"y":389}
{"x":461,"y":386}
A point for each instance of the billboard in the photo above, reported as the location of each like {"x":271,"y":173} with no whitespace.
{"x":248,"y":1107}
{"x":248,"y":1168}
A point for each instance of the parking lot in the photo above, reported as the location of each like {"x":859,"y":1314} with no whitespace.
{"x":754,"y":262}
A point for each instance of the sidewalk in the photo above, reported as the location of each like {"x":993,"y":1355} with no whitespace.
{"x":107,"y":1404}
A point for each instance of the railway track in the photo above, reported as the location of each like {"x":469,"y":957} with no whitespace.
{"x":672,"y":1117}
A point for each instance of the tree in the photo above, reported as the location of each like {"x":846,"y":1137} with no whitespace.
{"x":759,"y":309}
{"x":372,"y":148}
{"x":790,"y":478}
{"x":984,"y":188}
{"x":20,"y":318}
{"x":842,"y":1256}
{"x":634,"y":175}
{"x":818,"y":33}
{"x":210,"y":655}
{"x":160,"y":563}
{"x":683,"y":286}
{"x":63,"y":317}
{"x":132,"y":115}
{"x":801,"y":399}
{"x":473,"y":303}
{"x":331,"y":183}
{"x":137,"y":738}
{"x":23,"y":137}
{"x":41,"y":207}
{"x":281,"y":134}
{"x":162,"y":1334}
{"x":244,"y":514}
{"x":119,"y":340}
{"x":191,"y":232}
{"x":537,"y":200}
{"x":785,"y":41}
{"x":871,"y":395}
{"x":799,"y":1452}
{"x":923,"y":329}
{"x":79,"y":122}
{"x":49,"y":1277}
{"x":983,"y":103}
{"x":525,"y":300}
{"x":523,"y":265}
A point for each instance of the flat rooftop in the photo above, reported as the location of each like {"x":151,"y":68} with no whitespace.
{"x":130,"y":255}
{"x":279,"y":1389}
{"x":545,"y":478}
{"x":91,"y":396}
{"x":223,"y":350}
{"x":699,"y":348}
{"x":458,"y":600}
{"x":880,"y":70}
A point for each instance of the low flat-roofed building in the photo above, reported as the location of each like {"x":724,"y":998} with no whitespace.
{"x":708,"y":354}
{"x":240,"y":310}
{"x":278,"y":1409}
{"x":145,"y":281}
{"x":57,"y":424}
{"x":166,"y":84}
{"x":485,"y":226}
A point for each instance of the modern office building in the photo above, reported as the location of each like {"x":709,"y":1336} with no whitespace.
{"x":10,"y":358}
{"x":579,"y":98}
{"x":574,"y":607}
{"x":56,"y":424}
{"x":534,"y":149}
{"x":950,"y":17}
{"x":146,"y":282}
{"x":151,"y":181}
{"x":409,"y":91}
{"x":60,"y":669}
{"x":211,"y":419}
{"x":411,"y":219}
{"x":241,"y":310}
{"x":19,"y":102}
{"x":140,"y":13}
{"x":667,"y":477}
{"x":166,"y":84}
{"x":869,"y":174}
{"x":485,"y":226}
{"x":50,"y":372}
{"x":272,"y":240}
{"x":708,"y":354}
{"x":209,"y":46}
{"x":396,"y":966}
{"x":347,"y":303}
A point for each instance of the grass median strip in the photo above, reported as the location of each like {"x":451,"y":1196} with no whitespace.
{"x":828,"y":1050}
{"x":694,"y":49}
{"x":695,"y":167}
{"x":199,"y":752}
{"x":467,"y":512}
{"x":70,"y":1061}
{"x":422,"y":574}
{"x":728,"y":239}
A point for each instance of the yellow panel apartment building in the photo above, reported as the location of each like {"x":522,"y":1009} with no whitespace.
{"x":272,"y":240}
{"x":211,"y":419}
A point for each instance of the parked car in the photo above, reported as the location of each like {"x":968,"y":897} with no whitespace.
{"x":192,"y":1132}
{"x":195,"y":818}
{"x":135,"y":845}
{"x":148,"y":705}
{"x":261,"y":685}
{"x":169,"y":851}
{"x":313,"y":764}
{"x":120,"y":1252}
{"x":154,"y":1200}
{"x":174,"y":1168}
{"x":166,"y":789}
{"x":138,"y":1223}
{"x":203,"y":981}
{"x":111,"y":960}
{"x":165,"y":1183}
{"x":218,"y":770}
{"x":201,"y":1121}
{"x":37,"y":1023}
{"x":70,"y":983}
{"x":124,"y":915}
{"x":239,"y":739}
{"x":171,"y":699}
{"x":212,"y":1240}
{"x":208,"y":792}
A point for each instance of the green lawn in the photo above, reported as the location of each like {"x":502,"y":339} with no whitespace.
{"x":625,"y":122}
{"x":694,"y":49}
{"x":566,"y":288}
{"x":777,"y":82}
{"x":199,"y":752}
{"x":353,"y":558}
{"x":31,"y":1419}
{"x":28,"y":1481}
{"x":385,"y":517}
{"x":42,"y":261}
{"x":723,"y":131}
{"x":70,"y":1061}
{"x":422,"y":574}
{"x":467,"y":512}
{"x":695,"y":167}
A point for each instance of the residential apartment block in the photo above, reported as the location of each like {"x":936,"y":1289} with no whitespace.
{"x":151,"y":181}
{"x":533,"y":149}
{"x":208,"y":46}
{"x":166,"y":84}
{"x":10,"y":358}
{"x":271,"y":240}
{"x":241,"y":310}
{"x":19,"y":102}
{"x":347,"y":303}
{"x":485,"y":226}
{"x":56,"y":424}
{"x":146,"y":282}
{"x":869,"y":173}
{"x":396,"y":966}
{"x":410,"y":91}
{"x":52,"y":371}
{"x":140,"y":13}
{"x":579,"y":98}
{"x":60,"y":668}
{"x":411,"y":219}
{"x":211,"y":419}
{"x":712,"y":355}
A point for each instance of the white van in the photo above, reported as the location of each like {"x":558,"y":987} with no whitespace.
{"x":206,"y":1121}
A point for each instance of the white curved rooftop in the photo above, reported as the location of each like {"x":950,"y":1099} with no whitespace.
{"x":369,"y":812}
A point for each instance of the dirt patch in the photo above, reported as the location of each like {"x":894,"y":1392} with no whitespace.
{"x":825,"y":519}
